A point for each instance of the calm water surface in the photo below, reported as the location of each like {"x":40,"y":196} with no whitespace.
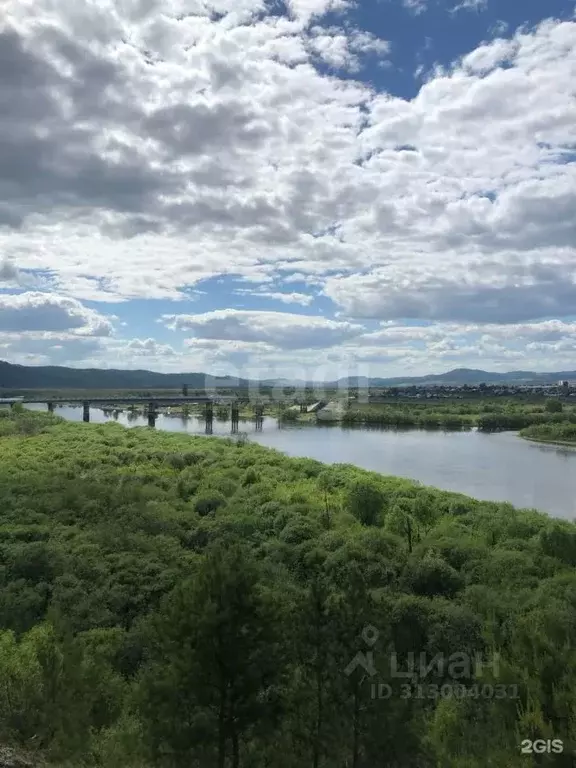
{"x":494,"y":467}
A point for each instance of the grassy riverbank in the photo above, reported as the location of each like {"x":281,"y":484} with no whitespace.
{"x":561,"y":433}
{"x":487,"y":415}
{"x":187,"y":602}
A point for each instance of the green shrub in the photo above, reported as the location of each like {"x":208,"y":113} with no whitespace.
{"x":209,"y":503}
{"x":432,"y":576}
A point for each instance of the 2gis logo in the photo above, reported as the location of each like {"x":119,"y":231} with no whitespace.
{"x":542,"y":747}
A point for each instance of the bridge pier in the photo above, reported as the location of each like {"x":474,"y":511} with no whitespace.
{"x":235,"y":417}
{"x":259,"y":415}
{"x":50,"y":407}
{"x":86,"y":411}
{"x":209,"y":413}
{"x":152,"y":414}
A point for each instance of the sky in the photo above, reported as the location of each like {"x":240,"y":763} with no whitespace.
{"x":302,"y":189}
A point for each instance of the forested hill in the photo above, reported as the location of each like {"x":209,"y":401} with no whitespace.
{"x":467,"y":376}
{"x":55,"y":377}
{"x":178,"y":602}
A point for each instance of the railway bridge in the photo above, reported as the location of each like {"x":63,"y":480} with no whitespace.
{"x":151,"y":404}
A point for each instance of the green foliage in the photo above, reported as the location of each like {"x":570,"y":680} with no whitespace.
{"x":432,"y":576}
{"x":178,"y":602}
{"x":366,"y":502}
{"x":227,"y":683}
{"x":561,"y":432}
{"x":553,"y":406}
{"x":487,"y":415}
{"x":208,"y":504}
{"x":559,"y":540}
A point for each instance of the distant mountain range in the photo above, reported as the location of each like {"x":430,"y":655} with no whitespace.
{"x":55,"y":377}
{"x":461,"y":376}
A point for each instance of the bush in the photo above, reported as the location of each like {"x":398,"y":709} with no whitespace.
{"x":299,"y":530}
{"x":271,"y":508}
{"x":365,"y":502}
{"x":432,"y":576}
{"x":553,"y":406}
{"x":250,"y":477}
{"x":224,"y":485}
{"x":208,"y":504}
{"x":192,"y":457}
{"x":176,"y":461}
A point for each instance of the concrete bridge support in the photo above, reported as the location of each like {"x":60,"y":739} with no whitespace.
{"x":152,"y":414}
{"x":209,"y":414}
{"x":50,"y":407}
{"x":235,"y":418}
{"x":86,"y":411}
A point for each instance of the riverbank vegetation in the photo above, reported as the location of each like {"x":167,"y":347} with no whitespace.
{"x":489,"y":416}
{"x":178,"y":602}
{"x":562,"y":432}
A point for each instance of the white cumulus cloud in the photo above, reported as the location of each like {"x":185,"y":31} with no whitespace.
{"x":279,"y":329}
{"x":149,"y":146}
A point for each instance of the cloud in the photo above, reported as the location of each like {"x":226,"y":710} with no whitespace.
{"x":146,"y":147}
{"x":50,"y":349}
{"x":227,"y":356}
{"x":46,"y":312}
{"x":391,"y":334}
{"x":279,"y":329}
{"x":8,"y":272}
{"x":480,"y":292}
{"x":305,"y":10}
{"x":215,"y":146}
{"x":149,"y":348}
{"x":304,"y":299}
{"x":340,"y":47}
{"x":290,"y":298}
{"x":471,"y":5}
{"x":41,"y":103}
{"x":415,"y":6}
{"x":499,"y":27}
{"x":11,"y":277}
{"x":490,"y":55}
{"x":391,"y":349}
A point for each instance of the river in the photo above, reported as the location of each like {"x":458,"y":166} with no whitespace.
{"x":493,"y":467}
